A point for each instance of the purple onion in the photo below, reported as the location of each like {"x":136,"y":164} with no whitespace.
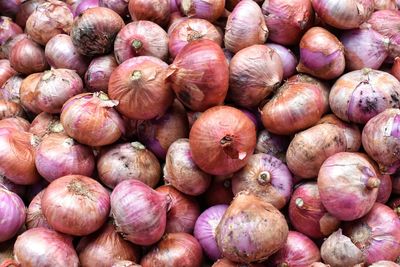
{"x":8,"y":28}
{"x":33,"y":190}
{"x":5,"y":49}
{"x":205,"y":227}
{"x":119,"y":6}
{"x":99,"y":72}
{"x":10,"y":89}
{"x":289,"y":60}
{"x":85,"y":4}
{"x":10,"y":7}
{"x":34,"y":215}
{"x":13,"y":187}
{"x":272,"y":144}
{"x":12,"y":214}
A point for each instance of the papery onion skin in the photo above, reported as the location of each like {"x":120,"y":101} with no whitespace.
{"x":245,"y":26}
{"x":128,"y":161}
{"x":182,"y":172}
{"x":377,"y":234}
{"x":219,"y":192}
{"x":10,"y":109}
{"x":34,"y":214}
{"x":25,"y":10}
{"x":385,"y":4}
{"x":6,"y":71}
{"x":10,"y":89}
{"x":202,"y":84}
{"x":49,"y":247}
{"x":46,"y":123}
{"x":98,"y":73}
{"x":222,"y":140}
{"x":91,"y":119}
{"x":16,"y":123}
{"x":49,"y":19}
{"x":254,"y":73}
{"x":141,"y":88}
{"x":12,"y":213}
{"x":380,"y":140}
{"x":210,"y":10}
{"x":287,"y":20}
{"x":139,"y":212}
{"x":359,"y":95}
{"x":119,"y":6}
{"x":152,"y":10}
{"x":76,"y":205}
{"x":28,"y":93}
{"x":289,"y":60}
{"x":8,"y":29}
{"x":272,"y":144}
{"x":94,"y":31}
{"x":141,"y":38}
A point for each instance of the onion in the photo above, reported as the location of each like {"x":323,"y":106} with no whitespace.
{"x":385,"y":4}
{"x":308,"y":215}
{"x":271,"y":144}
{"x":254,"y":73}
{"x":125,"y":264}
{"x":247,"y":218}
{"x":287,"y":20}
{"x":34,"y":214}
{"x":119,"y":6}
{"x":128,"y":161}
{"x":41,"y":247}
{"x":288,"y":59}
{"x":219,"y":192}
{"x":75,"y":205}
{"x":395,"y":70}
{"x":210,"y":10}
{"x":176,"y":18}
{"x":182,"y":172}
{"x":15,"y":123}
{"x":10,"y":109}
{"x":384,"y":264}
{"x":28,"y":93}
{"x":46,"y":123}
{"x":153,"y":10}
{"x":84,"y":5}
{"x":6,"y":48}
{"x":224,"y":262}
{"x":50,"y":18}
{"x":10,"y":7}
{"x":8,"y":29}
{"x":377,"y":234}
{"x":25,"y":10}
{"x":12,"y":214}
{"x":222,"y":140}
{"x":380,"y":139}
{"x":139,"y":212}
{"x":183,"y":211}
{"x":61,"y":53}
{"x":10,"y":89}
{"x":395,"y":205}
{"x":28,"y":57}
{"x":343,"y":15}
{"x":205,"y":228}
{"x":348,"y":185}
{"x":200,"y":75}
{"x":105,"y":247}
{"x":159,"y":133}
{"x":94,"y":31}
{"x":245,"y":26}
{"x":98,"y":73}
{"x":91,"y":119}
{"x":141,"y":38}
{"x":17,"y":162}
{"x":6,"y":71}
{"x":190,"y":30}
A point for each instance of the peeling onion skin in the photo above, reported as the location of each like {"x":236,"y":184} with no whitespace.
{"x":13,"y":214}
{"x":9,"y":109}
{"x":153,"y":10}
{"x":34,"y":214}
{"x":245,"y":26}
{"x":25,"y":10}
{"x":266,"y":177}
{"x":9,"y":29}
{"x":6,"y":71}
{"x":381,"y":141}
{"x":46,"y":123}
{"x":360,"y":95}
{"x":10,"y":89}
{"x":384,"y":264}
{"x":28,"y":93}
{"x":377,"y":234}
{"x":98,"y":73}
{"x":208,"y":10}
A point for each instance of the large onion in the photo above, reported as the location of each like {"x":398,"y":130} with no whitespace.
{"x":8,"y":29}
{"x":12,"y":214}
{"x":98,"y":73}
{"x":10,"y":89}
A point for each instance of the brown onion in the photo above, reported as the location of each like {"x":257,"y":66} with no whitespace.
{"x":245,"y":26}
{"x":34,"y":214}
{"x":153,"y":10}
{"x":222,"y":140}
{"x":25,"y":10}
{"x":46,"y":123}
{"x":8,"y":29}
{"x":98,"y":73}
{"x":10,"y":109}
{"x":6,"y":71}
{"x":50,"y":18}
{"x":219,"y":192}
{"x":141,"y":38}
{"x":28,"y":93}
{"x":15,"y":123}
{"x":10,"y":89}
{"x":139,"y":85}
{"x":128,"y":161}
{"x":210,"y":10}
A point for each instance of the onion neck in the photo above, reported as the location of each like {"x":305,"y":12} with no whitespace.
{"x":136,"y":75}
{"x":194,"y":35}
{"x":373,"y":183}
{"x":397,"y":210}
{"x":264,"y":178}
{"x":137,"y":146}
{"x":46,"y":75}
{"x":78,"y":188}
{"x":136,"y":44}
{"x":228,"y":145}
{"x":361,"y":236}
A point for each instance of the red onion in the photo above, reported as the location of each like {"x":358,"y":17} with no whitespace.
{"x":25,"y":10}
{"x":174,"y":249}
{"x":241,"y":235}
{"x":119,"y":6}
{"x":380,"y":139}
{"x":94,"y":31}
{"x":205,"y":228}
{"x":98,"y":73}
{"x":343,"y":15}
{"x":153,"y":10}
{"x":28,"y":93}
{"x":10,"y":109}
{"x":105,"y":247}
{"x":183,"y":211}
{"x":385,"y":4}
{"x":384,"y":264}
{"x":34,"y":214}
{"x":15,"y":123}
{"x":377,"y":234}
{"x":200,"y":75}
{"x":395,"y":71}
{"x":45,"y":247}
{"x":140,"y":213}
{"x":210,"y":10}
{"x":222,"y":140}
{"x":6,"y":71}
{"x":141,"y":38}
{"x":359,"y":95}
{"x":287,"y":20}
{"x":6,"y":48}
{"x":245,"y":26}
{"x":348,"y":185}
{"x":10,"y":89}
{"x":46,"y":123}
{"x":189,"y":30}
{"x":219,"y":192}
{"x":308,"y":215}
{"x":10,"y":7}
{"x":85,"y":4}
{"x":254,"y":73}
{"x":128,"y":161}
{"x":182,"y":172}
{"x":50,"y":18}
{"x":76,"y":205}
{"x":12,"y":214}
{"x":17,"y":156}
{"x":288,"y":59}
{"x":28,"y":57}
{"x":91,"y":119}
{"x":176,"y":18}
{"x":8,"y":29}
{"x":271,"y":144}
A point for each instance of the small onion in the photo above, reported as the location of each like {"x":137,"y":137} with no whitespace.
{"x":128,"y":161}
{"x":28,"y":93}
{"x":16,"y":123}
{"x":119,"y":6}
{"x":25,"y":10}
{"x":153,"y":10}
{"x":98,"y":73}
{"x":222,"y":140}
{"x":6,"y":71}
{"x":8,"y":29}
{"x":245,"y":26}
{"x":272,"y":144}
{"x":10,"y":109}
{"x":12,"y":214}
{"x":50,"y":18}
{"x":6,"y":48}
{"x":34,"y":214}
{"x":205,"y":228}
{"x":219,"y":192}
{"x":76,"y":205}
{"x":289,"y":60}
{"x":46,"y":123}
{"x":94,"y":31}
{"x":209,"y":10}
{"x":83,"y":5}
{"x":91,"y":119}
{"x":11,"y":88}
{"x":141,"y":38}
